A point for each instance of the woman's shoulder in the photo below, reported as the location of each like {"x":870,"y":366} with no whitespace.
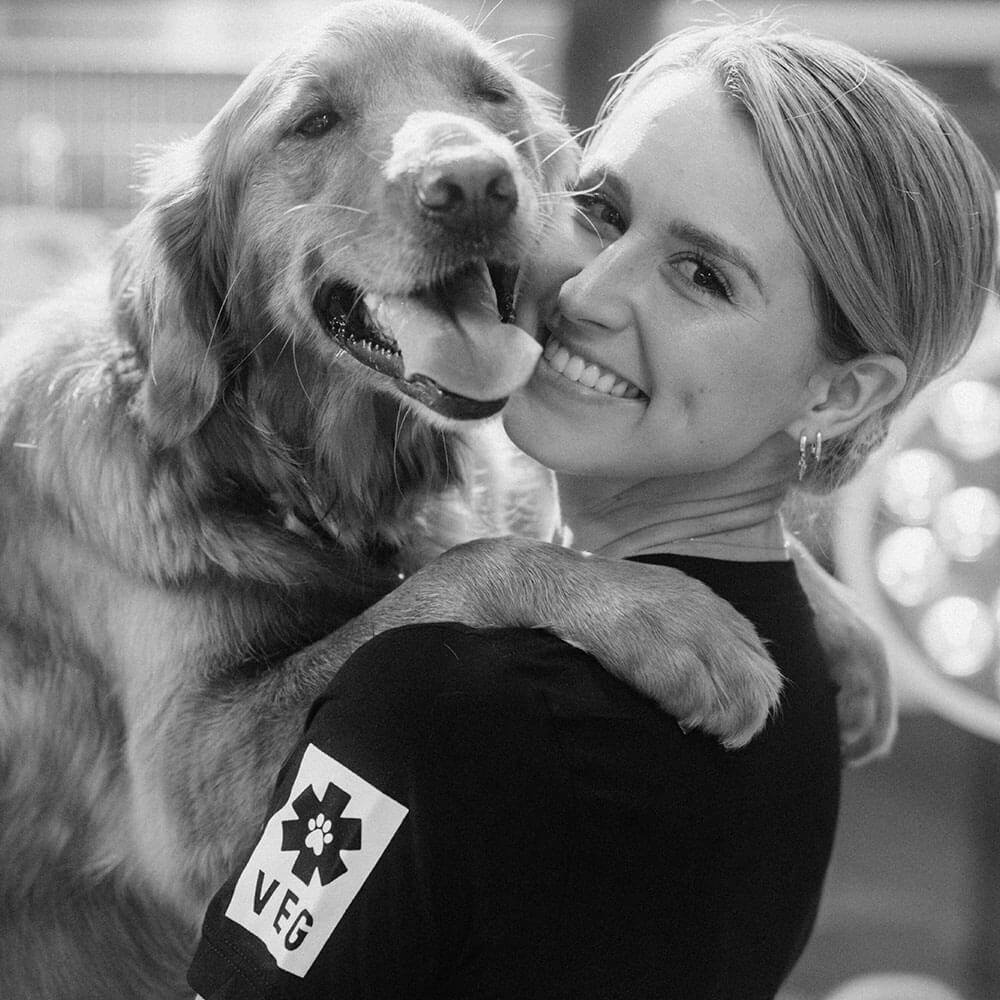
{"x":751,"y":584}
{"x":447,"y":705}
{"x":415,"y":667}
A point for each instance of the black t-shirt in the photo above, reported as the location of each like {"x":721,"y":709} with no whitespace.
{"x":488,"y":814}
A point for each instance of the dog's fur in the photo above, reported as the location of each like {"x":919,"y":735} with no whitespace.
{"x":198,"y":482}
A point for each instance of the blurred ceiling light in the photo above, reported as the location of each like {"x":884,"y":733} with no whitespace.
{"x":968,"y":417}
{"x":917,"y":536}
{"x":967,"y":522}
{"x":959,"y":633}
{"x":915,"y":480}
{"x":911,"y":566}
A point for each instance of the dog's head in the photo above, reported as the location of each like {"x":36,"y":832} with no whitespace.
{"x":354,"y":217}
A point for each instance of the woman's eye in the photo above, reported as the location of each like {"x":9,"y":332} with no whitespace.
{"x":704,"y":276}
{"x":317,"y":124}
{"x":598,"y":214}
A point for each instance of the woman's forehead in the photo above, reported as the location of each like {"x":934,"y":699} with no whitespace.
{"x":678,"y":145}
{"x":685,"y":158}
{"x":668,"y":106}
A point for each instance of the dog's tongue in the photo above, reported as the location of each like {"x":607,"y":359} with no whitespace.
{"x":459,"y":341}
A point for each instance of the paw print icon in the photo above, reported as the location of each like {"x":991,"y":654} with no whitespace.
{"x":320,"y":833}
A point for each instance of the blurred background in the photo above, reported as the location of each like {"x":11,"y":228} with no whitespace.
{"x":88,"y":88}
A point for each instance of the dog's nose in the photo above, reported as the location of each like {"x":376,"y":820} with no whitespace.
{"x":468,"y":194}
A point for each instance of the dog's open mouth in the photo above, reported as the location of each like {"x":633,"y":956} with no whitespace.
{"x":452,"y":347}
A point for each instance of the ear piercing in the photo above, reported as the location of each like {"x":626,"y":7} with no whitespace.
{"x":807,"y":450}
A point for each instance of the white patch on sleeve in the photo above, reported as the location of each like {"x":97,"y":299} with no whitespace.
{"x":312,"y":859}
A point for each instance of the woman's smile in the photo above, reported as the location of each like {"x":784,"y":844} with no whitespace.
{"x":573,"y":367}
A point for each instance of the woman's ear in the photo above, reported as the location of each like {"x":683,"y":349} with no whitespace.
{"x":847,"y":392}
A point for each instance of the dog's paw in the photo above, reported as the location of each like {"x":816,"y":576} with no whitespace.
{"x":710,"y":669}
{"x":677,"y":642}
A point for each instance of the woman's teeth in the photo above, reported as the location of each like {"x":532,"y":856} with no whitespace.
{"x":576,"y":369}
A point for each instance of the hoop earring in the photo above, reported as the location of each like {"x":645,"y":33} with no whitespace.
{"x":806,"y":450}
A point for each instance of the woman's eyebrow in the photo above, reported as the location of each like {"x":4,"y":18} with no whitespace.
{"x":716,"y":246}
{"x":596,"y":177}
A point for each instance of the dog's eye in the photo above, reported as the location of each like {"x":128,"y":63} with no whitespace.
{"x":492,"y":89}
{"x":316,"y":124}
{"x":493,"y":95}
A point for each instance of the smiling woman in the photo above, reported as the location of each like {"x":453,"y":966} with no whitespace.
{"x":691,"y":287}
{"x":870,"y":205}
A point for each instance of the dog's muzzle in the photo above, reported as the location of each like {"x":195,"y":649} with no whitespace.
{"x":451,"y":347}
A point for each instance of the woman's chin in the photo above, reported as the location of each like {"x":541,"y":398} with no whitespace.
{"x":549,"y":421}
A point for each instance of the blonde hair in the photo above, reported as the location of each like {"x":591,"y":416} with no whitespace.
{"x":891,"y":201}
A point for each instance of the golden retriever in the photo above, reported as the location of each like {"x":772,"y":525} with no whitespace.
{"x":216,"y":458}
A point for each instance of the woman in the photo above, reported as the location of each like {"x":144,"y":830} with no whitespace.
{"x":775,"y":243}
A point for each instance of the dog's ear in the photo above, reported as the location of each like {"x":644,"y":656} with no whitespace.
{"x":171,"y":279}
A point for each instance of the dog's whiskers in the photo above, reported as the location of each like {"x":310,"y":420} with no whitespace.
{"x":586,"y":133}
{"x":447,"y":453}
{"x":334,"y":237}
{"x":298,"y":375}
{"x":516,"y":38}
{"x":518,"y":60}
{"x":326,"y":204}
{"x":548,"y":197}
{"x":572,"y":140}
{"x":333,"y":255}
{"x":401,"y":415}
{"x":327,"y":240}
{"x":246,"y":357}
{"x":295,"y":262}
{"x":481,"y":18}
{"x":589,"y":221}
{"x":218,"y":316}
{"x":524,"y":138}
{"x":376,"y":157}
{"x":446,"y":137}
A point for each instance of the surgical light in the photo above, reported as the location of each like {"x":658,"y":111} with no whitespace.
{"x":917,"y":535}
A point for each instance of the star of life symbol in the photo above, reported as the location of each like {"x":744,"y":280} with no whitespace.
{"x":319,"y":833}
{"x":312,"y":859}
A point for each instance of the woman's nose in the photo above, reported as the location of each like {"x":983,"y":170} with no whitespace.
{"x":598,"y":294}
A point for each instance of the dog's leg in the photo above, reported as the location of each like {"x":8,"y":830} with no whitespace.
{"x":666,"y":634}
{"x":646,"y":624}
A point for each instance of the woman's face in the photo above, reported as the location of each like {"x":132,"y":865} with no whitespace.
{"x":681,"y":335}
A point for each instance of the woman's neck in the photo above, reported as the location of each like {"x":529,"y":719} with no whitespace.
{"x":719,"y":520}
